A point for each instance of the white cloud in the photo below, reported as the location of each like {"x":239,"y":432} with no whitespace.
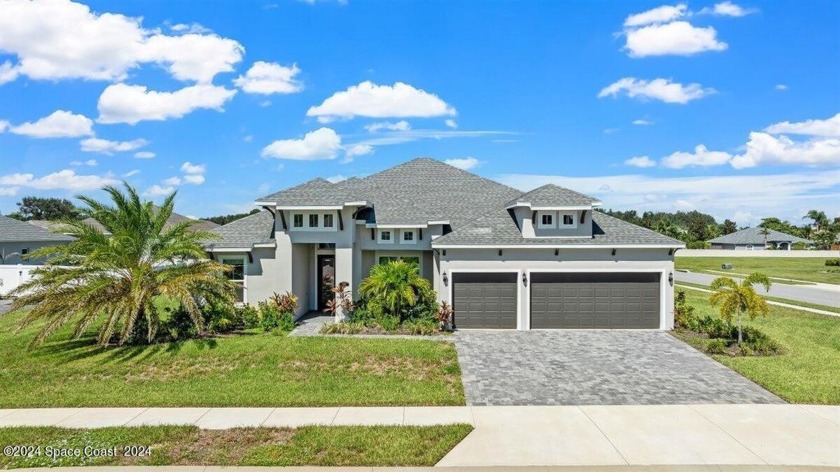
{"x":195,"y":28}
{"x":9,"y":191}
{"x":663,"y":14}
{"x":265,"y":103}
{"x":267,"y":77}
{"x":358,"y":150}
{"x":60,"y":124}
{"x":158,"y":191}
{"x":641,"y":122}
{"x":611,"y":130}
{"x":131,"y":173}
{"x":60,"y":39}
{"x":656,"y":89}
{"x":763,"y":148}
{"x":676,"y":38}
{"x":829,"y":127}
{"x":190,"y":168}
{"x":701,"y":157}
{"x":8,"y":72}
{"x":323,"y":143}
{"x":400,"y":137}
{"x":109,"y":147}
{"x":465,"y":163}
{"x":450,"y":123}
{"x":337,"y":178}
{"x":195,"y":179}
{"x":121,"y":103}
{"x":62,"y":180}
{"x":4,"y":125}
{"x":726,"y":8}
{"x":640,"y":161}
{"x":89,"y":162}
{"x":380,"y":101}
{"x":172,"y":181}
{"x":790,"y":192}
{"x":781,"y":87}
{"x":144,"y":155}
{"x":387,"y":125}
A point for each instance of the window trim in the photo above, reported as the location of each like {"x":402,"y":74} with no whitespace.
{"x":294,"y":221}
{"x":244,"y":281}
{"x":413,"y":234}
{"x":560,"y":221}
{"x":390,"y":239}
{"x":541,"y":215}
{"x":307,"y":216}
{"x":324,"y":221}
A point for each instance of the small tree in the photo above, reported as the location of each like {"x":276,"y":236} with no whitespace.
{"x":51,"y":209}
{"x":737,"y":298}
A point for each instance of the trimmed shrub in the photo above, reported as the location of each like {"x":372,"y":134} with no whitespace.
{"x":715,"y":327}
{"x":250,"y":316}
{"x":833,"y":262}
{"x":388,"y":323}
{"x":684,"y":316}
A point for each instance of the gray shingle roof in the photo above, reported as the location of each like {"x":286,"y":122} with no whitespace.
{"x":754,"y":237}
{"x":244,"y":232}
{"x":12,"y":230}
{"x":416,"y":192}
{"x":498,"y":228}
{"x":553,"y":196}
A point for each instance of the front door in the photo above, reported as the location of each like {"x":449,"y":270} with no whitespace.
{"x":326,"y":279}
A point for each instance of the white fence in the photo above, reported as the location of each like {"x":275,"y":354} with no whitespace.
{"x":11,"y":276}
{"x":759,"y":253}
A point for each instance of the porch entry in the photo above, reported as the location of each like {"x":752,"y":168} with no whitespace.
{"x":326,"y":279}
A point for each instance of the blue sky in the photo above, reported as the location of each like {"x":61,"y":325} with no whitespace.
{"x":729,"y":108}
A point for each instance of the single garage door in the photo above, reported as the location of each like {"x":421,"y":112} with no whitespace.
{"x":590,"y":300}
{"x":484,"y":300}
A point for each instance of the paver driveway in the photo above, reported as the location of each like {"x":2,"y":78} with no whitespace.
{"x":606,"y":367}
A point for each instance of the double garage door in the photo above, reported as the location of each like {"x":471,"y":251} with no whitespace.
{"x":558,"y":300}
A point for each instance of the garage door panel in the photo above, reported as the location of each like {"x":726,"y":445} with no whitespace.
{"x":594,"y":300}
{"x":484,"y":300}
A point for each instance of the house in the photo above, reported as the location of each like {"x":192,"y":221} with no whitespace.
{"x":501,"y":257}
{"x":754,"y":239}
{"x":19,"y":238}
{"x":175,"y":218}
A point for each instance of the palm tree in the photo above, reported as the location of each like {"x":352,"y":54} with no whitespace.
{"x":396,"y":285}
{"x":737,"y":298}
{"x":765,"y":232}
{"x":819,"y":219}
{"x":118,"y":278}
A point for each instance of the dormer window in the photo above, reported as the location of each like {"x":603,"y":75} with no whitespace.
{"x":385,"y":236}
{"x":568,"y":221}
{"x":546,"y":220}
{"x":408,"y":237}
{"x":297,"y":220}
{"x":313,"y":221}
{"x":328,"y":220}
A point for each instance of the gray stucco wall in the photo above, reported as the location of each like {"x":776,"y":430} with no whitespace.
{"x":530,"y":229}
{"x":11,"y":251}
{"x":530,"y":260}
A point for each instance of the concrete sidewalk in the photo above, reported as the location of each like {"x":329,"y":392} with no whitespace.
{"x":538,"y":435}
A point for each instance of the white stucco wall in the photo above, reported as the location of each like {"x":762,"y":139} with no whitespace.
{"x":530,"y":260}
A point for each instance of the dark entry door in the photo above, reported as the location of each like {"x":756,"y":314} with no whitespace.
{"x":326,"y":279}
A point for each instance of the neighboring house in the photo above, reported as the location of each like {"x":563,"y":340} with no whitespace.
{"x":175,"y":218}
{"x":19,"y":238}
{"x":501,"y":257}
{"x":753,"y":239}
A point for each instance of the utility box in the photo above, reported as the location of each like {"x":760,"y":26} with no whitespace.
{"x":726,"y":265}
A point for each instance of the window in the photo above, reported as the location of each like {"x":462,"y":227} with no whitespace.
{"x":297,"y":220}
{"x":385,"y":236}
{"x":568,"y":221}
{"x":236,"y":275}
{"x":328,"y":221}
{"x":546,"y":220}
{"x":313,"y":221}
{"x":24,"y":250}
{"x":408,"y":237}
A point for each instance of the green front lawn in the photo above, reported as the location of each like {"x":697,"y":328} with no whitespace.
{"x":240,"y":370}
{"x":812,"y":269}
{"x":807,"y":370}
{"x":188,"y":445}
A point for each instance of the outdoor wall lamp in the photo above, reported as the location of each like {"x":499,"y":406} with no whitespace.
{"x":445,"y":279}
{"x":500,"y":252}
{"x":613,"y":252}
{"x":524,"y":279}
{"x":671,"y":279}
